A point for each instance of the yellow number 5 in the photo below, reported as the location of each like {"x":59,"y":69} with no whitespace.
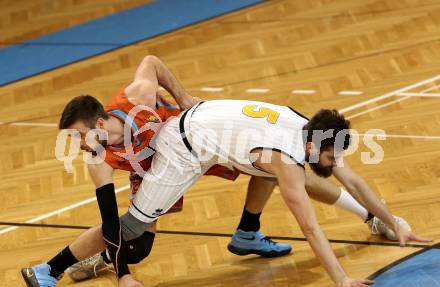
{"x":254,"y":112}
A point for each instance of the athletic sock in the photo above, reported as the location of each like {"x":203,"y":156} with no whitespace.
{"x":347,"y":202}
{"x":61,"y":262}
{"x":369,"y":217}
{"x":249,"y":221}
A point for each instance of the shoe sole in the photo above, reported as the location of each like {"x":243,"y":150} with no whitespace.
{"x":31,"y":281}
{"x":270,"y":254}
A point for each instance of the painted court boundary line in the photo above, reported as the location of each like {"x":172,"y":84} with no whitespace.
{"x":400,"y":93}
{"x":388,"y":95}
{"x":389,"y":103}
{"x":227,"y":235}
{"x":344,"y":110}
{"x":35,"y":125}
{"x":429,"y":95}
{"x":61,"y":210}
{"x":401,"y":260}
{"x":402,"y":136}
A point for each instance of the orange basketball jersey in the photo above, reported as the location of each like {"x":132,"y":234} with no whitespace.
{"x":143,"y":124}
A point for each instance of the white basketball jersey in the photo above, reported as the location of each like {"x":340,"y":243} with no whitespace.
{"x":227,"y":131}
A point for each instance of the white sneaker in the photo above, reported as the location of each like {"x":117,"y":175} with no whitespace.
{"x":377,"y":226}
{"x":88,"y":268}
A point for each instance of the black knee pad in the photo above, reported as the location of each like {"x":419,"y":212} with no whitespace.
{"x":139,"y":248}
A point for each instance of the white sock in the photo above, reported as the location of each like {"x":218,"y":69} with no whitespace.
{"x":347,"y":202}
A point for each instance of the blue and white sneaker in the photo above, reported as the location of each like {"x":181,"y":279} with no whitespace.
{"x":38,"y":276}
{"x":251,"y":242}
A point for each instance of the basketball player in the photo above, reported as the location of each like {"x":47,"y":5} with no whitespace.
{"x":151,"y":73}
{"x":142,"y":91}
{"x":262,"y":140}
{"x":265,"y":141}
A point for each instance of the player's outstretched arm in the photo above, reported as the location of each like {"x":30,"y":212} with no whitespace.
{"x":360,"y":190}
{"x":151,"y":73}
{"x":291,"y":180}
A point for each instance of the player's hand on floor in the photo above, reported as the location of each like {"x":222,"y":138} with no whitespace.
{"x":349,"y":282}
{"x":128,"y":281}
{"x":404,"y":235}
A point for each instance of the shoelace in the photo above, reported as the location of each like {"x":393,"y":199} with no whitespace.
{"x":91,"y":259}
{"x":268,"y":240}
{"x":107,"y":267}
{"x":94,"y":269}
{"x":374,"y":225}
{"x":376,"y":222}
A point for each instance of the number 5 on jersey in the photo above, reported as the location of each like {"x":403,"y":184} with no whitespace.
{"x":254,"y":111}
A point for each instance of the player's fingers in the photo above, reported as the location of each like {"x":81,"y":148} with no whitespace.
{"x":402,"y":241}
{"x":420,"y":239}
{"x":367,"y":281}
{"x":363,"y":283}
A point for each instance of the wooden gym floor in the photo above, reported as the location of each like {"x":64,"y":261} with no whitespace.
{"x":387,"y":50}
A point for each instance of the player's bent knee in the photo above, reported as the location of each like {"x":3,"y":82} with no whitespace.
{"x":139,"y":248}
{"x":132,"y":227}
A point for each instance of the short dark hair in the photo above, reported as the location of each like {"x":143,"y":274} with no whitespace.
{"x":83,"y":108}
{"x":326,"y":120}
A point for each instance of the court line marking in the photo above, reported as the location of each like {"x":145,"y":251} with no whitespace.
{"x":419,"y":95}
{"x":303,"y":92}
{"x":377,"y":108}
{"x":401,"y":260}
{"x":388,"y":95}
{"x":257,"y":91}
{"x":388,"y":104}
{"x":350,"y":93}
{"x":212,"y":234}
{"x":61,"y":210}
{"x":401,"y":136}
{"x":349,"y":108}
{"x":211,"y":89}
{"x":34,"y":124}
{"x":399,"y":92}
